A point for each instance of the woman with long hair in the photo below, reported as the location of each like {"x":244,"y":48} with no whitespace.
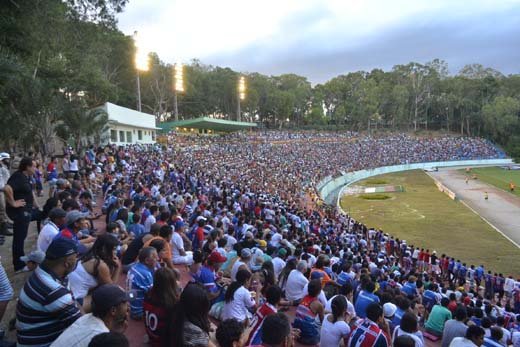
{"x":98,"y":266}
{"x":190,"y":325}
{"x":335,"y":325}
{"x":289,"y":266}
{"x":238,"y":298}
{"x":159,"y":302}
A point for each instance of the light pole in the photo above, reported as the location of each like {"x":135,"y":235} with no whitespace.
{"x":241,"y":95}
{"x":178,"y":86}
{"x":141,"y":64}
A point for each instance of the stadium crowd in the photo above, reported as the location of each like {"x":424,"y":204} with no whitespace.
{"x":235,"y":216}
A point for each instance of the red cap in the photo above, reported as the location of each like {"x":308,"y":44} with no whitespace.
{"x":216,"y":257}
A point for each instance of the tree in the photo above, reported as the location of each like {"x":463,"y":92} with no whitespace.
{"x":501,"y":118}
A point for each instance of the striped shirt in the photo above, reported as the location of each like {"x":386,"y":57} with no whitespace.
{"x":140,"y":280}
{"x":368,"y":334}
{"x":44,"y":310}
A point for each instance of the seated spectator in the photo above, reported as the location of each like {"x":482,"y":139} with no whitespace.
{"x":296,"y":282}
{"x":455,"y":327}
{"x":97,"y":267}
{"x":44,"y":296}
{"x":231,"y":333}
{"x":140,"y":280}
{"x":335,"y":326}
{"x":404,"y":341}
{"x":372,"y":331}
{"x":109,"y":339}
{"x":51,"y":229}
{"x":75,"y":223}
{"x":506,"y":334}
{"x":346,"y":292}
{"x":190,"y":325}
{"x":474,"y":337}
{"x":207,"y":276}
{"x":409,"y":326}
{"x":241,"y":262}
{"x":438,"y":317}
{"x":276,"y":331}
{"x":365,"y":298}
{"x":270,"y":306}
{"x":159,"y":302}
{"x":132,"y":252}
{"x":238,"y":298}
{"x":109,"y":313}
{"x":165,"y":233}
{"x":308,"y":312}
{"x":494,"y":340}
{"x":135,"y":228}
{"x":179,"y":255}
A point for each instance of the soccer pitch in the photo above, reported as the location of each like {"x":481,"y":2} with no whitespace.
{"x":426,"y":217}
{"x":498,"y":177}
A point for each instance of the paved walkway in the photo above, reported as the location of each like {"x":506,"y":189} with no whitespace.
{"x":501,"y":210}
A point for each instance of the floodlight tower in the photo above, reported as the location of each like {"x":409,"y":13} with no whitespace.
{"x":141,"y":64}
{"x":241,"y":95}
{"x":178,"y":86}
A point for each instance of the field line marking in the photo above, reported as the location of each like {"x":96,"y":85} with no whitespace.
{"x":490,"y":224}
{"x":484,"y":219}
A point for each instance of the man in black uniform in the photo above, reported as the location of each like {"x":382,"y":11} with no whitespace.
{"x":20,"y":201}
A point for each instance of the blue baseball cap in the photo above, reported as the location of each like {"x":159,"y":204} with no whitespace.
{"x":61,"y":248}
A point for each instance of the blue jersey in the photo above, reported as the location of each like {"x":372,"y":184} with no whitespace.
{"x":363,"y":300}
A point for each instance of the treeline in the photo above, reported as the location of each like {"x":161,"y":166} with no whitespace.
{"x":59,"y":59}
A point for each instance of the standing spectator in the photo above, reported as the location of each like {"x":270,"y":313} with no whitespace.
{"x":373,"y":331}
{"x":51,"y":229}
{"x":140,"y":279}
{"x":20,"y":200}
{"x":438,"y":317}
{"x":190,"y":325}
{"x":158,"y":304}
{"x":109,"y":313}
{"x":4,"y":177}
{"x":45,"y":306}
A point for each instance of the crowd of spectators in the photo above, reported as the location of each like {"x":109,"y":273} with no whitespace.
{"x":234,"y":214}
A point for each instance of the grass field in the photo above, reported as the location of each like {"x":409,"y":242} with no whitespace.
{"x":425,"y":217}
{"x":498,"y":177}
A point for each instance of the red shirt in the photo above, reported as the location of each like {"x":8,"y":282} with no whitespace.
{"x":155,"y":318}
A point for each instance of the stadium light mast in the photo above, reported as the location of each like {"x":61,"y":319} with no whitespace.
{"x":241,"y":95}
{"x":141,"y":64}
{"x":178,"y":86}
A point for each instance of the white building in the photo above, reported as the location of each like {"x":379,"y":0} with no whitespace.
{"x":127,"y":126}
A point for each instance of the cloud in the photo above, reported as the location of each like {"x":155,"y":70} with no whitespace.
{"x":321,"y":39}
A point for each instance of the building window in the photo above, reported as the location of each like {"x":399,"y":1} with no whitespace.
{"x":153,"y":135}
{"x":129,"y":136}
{"x":134,"y":131}
{"x":139,"y":135}
{"x":113,"y":135}
{"x":121,"y":136}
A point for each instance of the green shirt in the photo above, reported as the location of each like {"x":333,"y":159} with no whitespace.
{"x":437,"y":318}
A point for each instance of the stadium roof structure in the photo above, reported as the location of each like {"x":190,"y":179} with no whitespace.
{"x":208,"y":124}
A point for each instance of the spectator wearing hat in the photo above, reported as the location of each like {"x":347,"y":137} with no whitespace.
{"x":207,"y":276}
{"x":33,"y":259}
{"x":75,"y":222}
{"x":241,"y":262}
{"x":51,"y":229}
{"x":109,"y":314}
{"x":46,"y":307}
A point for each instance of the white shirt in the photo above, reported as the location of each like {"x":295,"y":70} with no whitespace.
{"x":278,"y":264}
{"x":462,"y":342}
{"x":237,"y":308}
{"x":506,"y":337}
{"x":332,"y":333}
{"x":235,"y":268}
{"x":231,"y":241}
{"x":294,"y":288}
{"x":47,"y":234}
{"x":148,"y":223}
{"x":419,"y":340}
{"x":509,"y":285}
{"x":350,"y":308}
{"x":177,"y":244}
{"x":516,"y":338}
{"x":81,"y":332}
{"x":275,"y":240}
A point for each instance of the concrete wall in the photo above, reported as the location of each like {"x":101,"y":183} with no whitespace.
{"x":331,"y":190}
{"x":147,"y":135}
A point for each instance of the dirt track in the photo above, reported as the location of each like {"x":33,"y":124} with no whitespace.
{"x":501,"y":210}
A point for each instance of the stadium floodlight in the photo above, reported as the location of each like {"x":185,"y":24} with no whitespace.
{"x":241,"y":95}
{"x":141,"y":64}
{"x":178,"y":86}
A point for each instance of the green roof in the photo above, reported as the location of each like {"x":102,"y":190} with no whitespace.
{"x":207,"y":123}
